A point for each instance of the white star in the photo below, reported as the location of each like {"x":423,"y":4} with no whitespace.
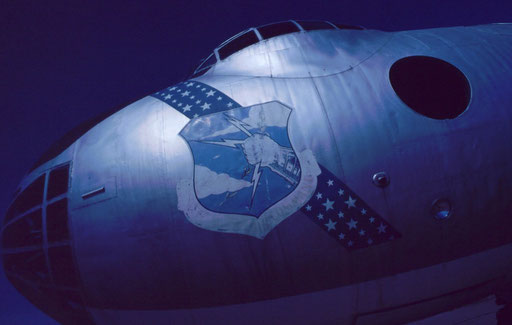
{"x":178,"y":90}
{"x":180,"y":104}
{"x":372,"y":219}
{"x":382,"y":228}
{"x":328,"y":204}
{"x":318,"y":196}
{"x":330,"y":182}
{"x":362,"y":232}
{"x":230,"y":104}
{"x":196,"y":115}
{"x":205,"y":106}
{"x":198,"y":101}
{"x":174,"y":100}
{"x":210,"y":93}
{"x":352,"y":224}
{"x":363,"y":211}
{"x":190,"y":84}
{"x":320,"y":216}
{"x":168,"y":96}
{"x":341,"y":236}
{"x":185,"y":93}
{"x":219,"y":98}
{"x":203,"y":89}
{"x":340,"y":215}
{"x":370,"y":241}
{"x":308,"y":207}
{"x":330,"y":225}
{"x":173,"y":88}
{"x":198,"y":86}
{"x":350,"y":243}
{"x":341,"y":192}
{"x":192,"y":97}
{"x":351,"y":202}
{"x":186,"y":108}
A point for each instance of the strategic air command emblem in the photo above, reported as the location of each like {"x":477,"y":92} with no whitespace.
{"x":247,"y":176}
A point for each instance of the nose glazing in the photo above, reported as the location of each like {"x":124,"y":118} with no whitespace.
{"x":36,"y":247}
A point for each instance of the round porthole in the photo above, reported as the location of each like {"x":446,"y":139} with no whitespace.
{"x":430,"y":86}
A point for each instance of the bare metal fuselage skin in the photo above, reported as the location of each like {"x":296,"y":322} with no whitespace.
{"x":141,"y":261}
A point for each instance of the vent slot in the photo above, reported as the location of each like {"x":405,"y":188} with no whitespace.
{"x":93,"y":193}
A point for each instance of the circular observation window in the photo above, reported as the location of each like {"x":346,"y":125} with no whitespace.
{"x":430,"y":86}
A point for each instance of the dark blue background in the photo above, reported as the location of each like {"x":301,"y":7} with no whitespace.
{"x":64,"y":62}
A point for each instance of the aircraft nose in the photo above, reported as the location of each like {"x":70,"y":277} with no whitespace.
{"x":36,"y":247}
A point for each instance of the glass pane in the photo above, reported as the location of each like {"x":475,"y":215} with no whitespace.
{"x":273,"y":30}
{"x":52,"y":302}
{"x":29,"y":198}
{"x":314,"y":25}
{"x":57,"y":221}
{"x":237,"y":44}
{"x":27,"y":231}
{"x":71,"y":295}
{"x":30,"y":266}
{"x":205,"y":65}
{"x":62,"y":266}
{"x":209,"y":61}
{"x":58,"y":182}
{"x":342,"y":26}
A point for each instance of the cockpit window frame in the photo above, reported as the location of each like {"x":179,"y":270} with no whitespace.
{"x":232,"y":39}
{"x":309,"y":29}
{"x":202,"y":68}
{"x":299,"y":28}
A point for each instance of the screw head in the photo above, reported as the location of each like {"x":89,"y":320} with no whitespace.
{"x":381,"y":179}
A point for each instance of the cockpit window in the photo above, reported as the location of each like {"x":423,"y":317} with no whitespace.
{"x":29,"y":198}
{"x":238,"y":43}
{"x":315,"y":25}
{"x":26,"y":231}
{"x":58,"y":182}
{"x":273,"y":30}
{"x":265,"y":32}
{"x":205,"y":65}
{"x":62,"y":266}
{"x":42,"y":267}
{"x":29,"y":266}
{"x":342,"y":26}
{"x":57,"y":228}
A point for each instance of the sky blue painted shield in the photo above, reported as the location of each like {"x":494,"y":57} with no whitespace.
{"x":244,"y":161}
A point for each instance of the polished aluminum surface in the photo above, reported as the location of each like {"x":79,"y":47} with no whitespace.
{"x":137,"y":252}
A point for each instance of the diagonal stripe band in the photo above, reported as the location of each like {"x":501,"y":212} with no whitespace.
{"x":335,"y":208}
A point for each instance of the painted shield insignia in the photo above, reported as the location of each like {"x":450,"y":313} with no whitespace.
{"x":247,"y":175}
{"x":252,"y":169}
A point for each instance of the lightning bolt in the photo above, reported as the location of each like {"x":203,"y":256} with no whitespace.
{"x":225,"y":142}
{"x":255,"y":180}
{"x":231,"y":142}
{"x":238,"y":124}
